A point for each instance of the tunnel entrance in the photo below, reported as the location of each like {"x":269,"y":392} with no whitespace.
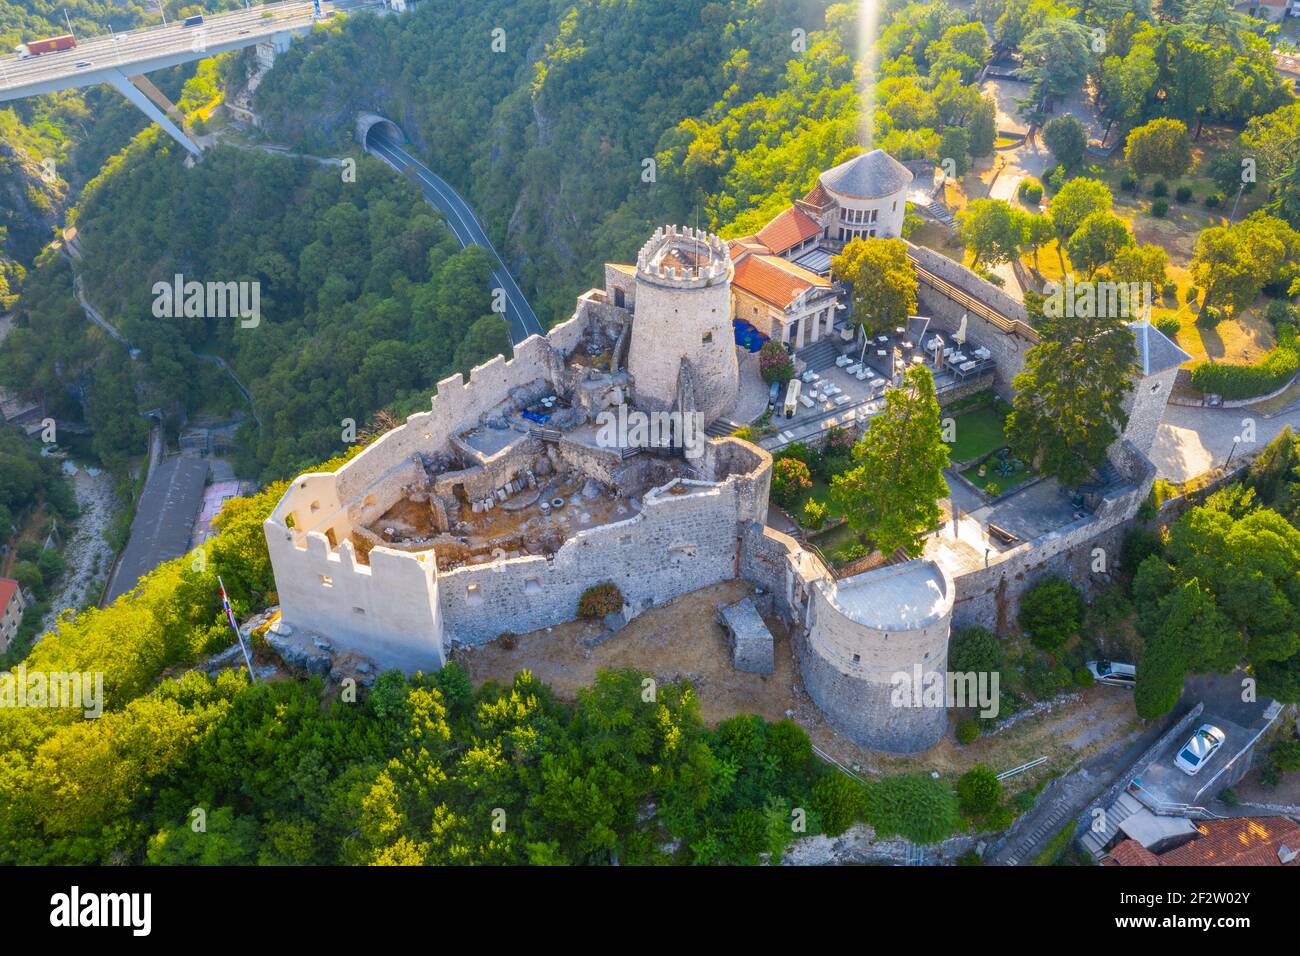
{"x":372,"y":126}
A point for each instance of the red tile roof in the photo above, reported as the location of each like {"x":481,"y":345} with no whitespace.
{"x":774,"y":280}
{"x":788,"y":230}
{"x":819,"y":198}
{"x":738,"y":247}
{"x":8,"y":588}
{"x":1239,"y":841}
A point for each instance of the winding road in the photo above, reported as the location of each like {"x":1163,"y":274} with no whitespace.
{"x":460,"y":217}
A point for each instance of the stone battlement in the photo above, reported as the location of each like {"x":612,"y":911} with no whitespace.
{"x":684,"y":258}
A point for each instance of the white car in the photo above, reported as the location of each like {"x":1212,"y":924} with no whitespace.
{"x":1112,"y":672}
{"x":1196,"y":753}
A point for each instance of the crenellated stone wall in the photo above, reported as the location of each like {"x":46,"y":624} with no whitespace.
{"x":683,"y":312}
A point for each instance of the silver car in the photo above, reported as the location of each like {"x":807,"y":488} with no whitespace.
{"x":1196,"y":753}
{"x":1113,"y":672}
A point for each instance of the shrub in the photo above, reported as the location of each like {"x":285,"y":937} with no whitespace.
{"x":774,"y":363}
{"x":1246,"y":381}
{"x":1170,"y":289}
{"x":790,"y":479}
{"x":1051,"y":612}
{"x":1213,"y":200}
{"x":1169,"y":325}
{"x":790,"y":744}
{"x":1031,"y":190}
{"x":1083,"y":677}
{"x":1057,"y":179}
{"x":1280,"y":311}
{"x":814,"y":514}
{"x":850,"y":553}
{"x":1209,"y":317}
{"x":1269,"y":775}
{"x":599,"y":600}
{"x":1192,"y":295}
{"x":838,"y":801}
{"x":1129,"y":183}
{"x":1160,"y":208}
{"x":968,"y":731}
{"x":1139,"y":544}
{"x":1159,"y":188}
{"x":1045,"y":681}
{"x":1229,"y":797}
{"x":979,"y":791}
{"x":1183,"y":193}
{"x":915,"y":806}
{"x":1285,"y":755}
{"x":975,"y":650}
{"x":993,"y":489}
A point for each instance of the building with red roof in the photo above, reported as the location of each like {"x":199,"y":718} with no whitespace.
{"x":12,"y":605}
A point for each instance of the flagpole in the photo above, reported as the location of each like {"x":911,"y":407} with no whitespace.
{"x":230,"y":616}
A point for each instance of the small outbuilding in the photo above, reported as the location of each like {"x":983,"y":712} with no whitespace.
{"x":751,"y":641}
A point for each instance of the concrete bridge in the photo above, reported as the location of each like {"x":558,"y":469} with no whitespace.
{"x":123,"y":59}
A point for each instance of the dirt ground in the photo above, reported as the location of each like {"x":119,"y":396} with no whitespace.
{"x":682,"y":639}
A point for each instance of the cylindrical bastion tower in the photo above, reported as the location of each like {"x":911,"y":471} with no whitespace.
{"x":863,"y":633}
{"x":683,"y":311}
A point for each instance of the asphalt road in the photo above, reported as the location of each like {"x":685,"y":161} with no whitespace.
{"x":139,"y":47}
{"x":460,"y":217}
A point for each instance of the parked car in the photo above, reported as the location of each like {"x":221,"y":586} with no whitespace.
{"x":1113,"y":672}
{"x":1196,"y":753}
{"x":774,"y":396}
{"x":193,"y":21}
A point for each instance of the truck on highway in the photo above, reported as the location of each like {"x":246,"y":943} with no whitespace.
{"x":52,"y":45}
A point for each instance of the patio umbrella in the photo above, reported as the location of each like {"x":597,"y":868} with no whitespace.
{"x":936,"y":346}
{"x":960,"y":336}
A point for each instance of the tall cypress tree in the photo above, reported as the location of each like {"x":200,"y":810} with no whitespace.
{"x":893,"y":493}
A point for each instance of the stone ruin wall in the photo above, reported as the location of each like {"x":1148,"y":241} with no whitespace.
{"x":675,"y":545}
{"x":986,"y":597}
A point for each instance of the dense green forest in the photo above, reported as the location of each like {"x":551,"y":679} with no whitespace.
{"x":548,"y":138}
{"x":52,"y":145}
{"x":366,"y":299}
{"x":29,"y":481}
{"x":1222,"y":586}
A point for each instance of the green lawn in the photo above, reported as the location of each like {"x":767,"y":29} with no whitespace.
{"x":1005,"y":483}
{"x":978,"y":431}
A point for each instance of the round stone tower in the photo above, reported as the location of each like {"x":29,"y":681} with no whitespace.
{"x":683,"y":317}
{"x":875,"y":642}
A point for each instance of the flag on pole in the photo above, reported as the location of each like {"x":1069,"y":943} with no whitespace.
{"x":230,"y":616}
{"x":225,"y":606}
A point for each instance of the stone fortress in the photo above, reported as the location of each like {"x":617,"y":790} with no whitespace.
{"x":493,"y":511}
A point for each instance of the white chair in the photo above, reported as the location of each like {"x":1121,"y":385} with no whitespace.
{"x":841,"y":361}
{"x":805,"y":401}
{"x":861,"y":374}
{"x":967,"y":366}
{"x":841,"y":399}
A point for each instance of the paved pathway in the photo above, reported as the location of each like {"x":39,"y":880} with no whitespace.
{"x":1192,"y":440}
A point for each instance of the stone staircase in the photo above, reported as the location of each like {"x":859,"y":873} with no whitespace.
{"x":721,"y":428}
{"x":1095,"y":840}
{"x":818,"y":356}
{"x":938,"y":212}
